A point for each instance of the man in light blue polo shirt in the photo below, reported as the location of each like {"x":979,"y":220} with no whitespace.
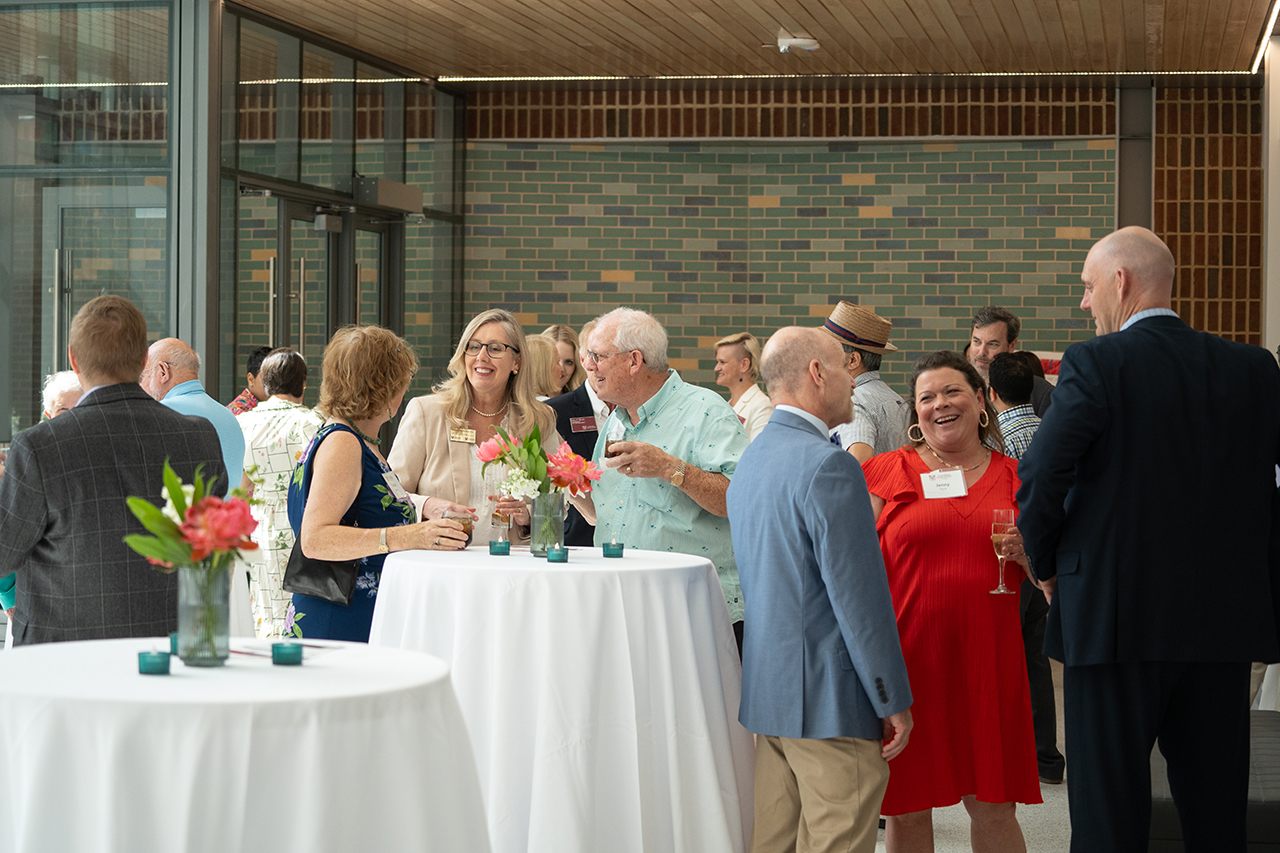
{"x":172,"y":377}
{"x":678,"y":445}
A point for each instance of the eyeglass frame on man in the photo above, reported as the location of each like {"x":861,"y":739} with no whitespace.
{"x":501,"y":353}
{"x":597,"y":357}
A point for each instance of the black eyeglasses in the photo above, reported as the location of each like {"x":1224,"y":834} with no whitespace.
{"x":495,"y":349}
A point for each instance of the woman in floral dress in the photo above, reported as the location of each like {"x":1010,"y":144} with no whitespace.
{"x":345,"y":503}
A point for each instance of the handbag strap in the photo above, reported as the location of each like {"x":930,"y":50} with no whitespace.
{"x":349,"y":517}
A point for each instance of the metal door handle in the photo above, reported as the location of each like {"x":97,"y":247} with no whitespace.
{"x":271,"y":301}
{"x":302,"y":301}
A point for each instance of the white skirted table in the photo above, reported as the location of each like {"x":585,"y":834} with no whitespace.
{"x":357,"y":749}
{"x":601,"y":695}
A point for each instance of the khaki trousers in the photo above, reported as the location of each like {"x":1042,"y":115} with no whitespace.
{"x":817,"y":796}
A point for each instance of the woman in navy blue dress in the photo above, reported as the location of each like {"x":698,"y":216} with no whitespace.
{"x":345,"y":503}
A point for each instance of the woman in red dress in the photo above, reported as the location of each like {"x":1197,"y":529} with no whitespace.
{"x":973,"y":740}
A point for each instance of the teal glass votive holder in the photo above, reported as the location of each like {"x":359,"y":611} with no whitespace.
{"x":499,"y":548}
{"x":286,"y":654}
{"x":173,"y":643}
{"x":613,"y":549}
{"x":557,"y":554}
{"x":153,"y":663}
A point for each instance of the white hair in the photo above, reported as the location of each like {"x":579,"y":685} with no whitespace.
{"x":57,"y":384}
{"x":638,"y":330}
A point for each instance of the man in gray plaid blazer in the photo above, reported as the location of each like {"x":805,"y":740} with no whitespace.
{"x":62,"y":497}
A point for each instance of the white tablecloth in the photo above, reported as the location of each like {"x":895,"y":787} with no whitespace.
{"x":601,"y":695}
{"x":358,"y":749}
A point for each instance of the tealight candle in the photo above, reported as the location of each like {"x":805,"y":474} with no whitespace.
{"x":286,"y":654}
{"x":557,"y":554}
{"x":614,"y":548}
{"x":153,"y":663}
{"x":173,"y":643}
{"x":499,"y":548}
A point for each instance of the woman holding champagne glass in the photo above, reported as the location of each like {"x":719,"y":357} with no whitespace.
{"x":940,"y":503}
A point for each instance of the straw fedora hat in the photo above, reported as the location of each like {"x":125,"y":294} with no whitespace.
{"x":856,"y":326}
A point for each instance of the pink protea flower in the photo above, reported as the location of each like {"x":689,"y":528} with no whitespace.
{"x":490,"y":450}
{"x":568,"y":470}
{"x":217,"y":525}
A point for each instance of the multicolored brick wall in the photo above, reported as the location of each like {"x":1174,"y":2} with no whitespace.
{"x":718,"y":237}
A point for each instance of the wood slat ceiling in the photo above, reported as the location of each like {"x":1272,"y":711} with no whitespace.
{"x":518,"y":38}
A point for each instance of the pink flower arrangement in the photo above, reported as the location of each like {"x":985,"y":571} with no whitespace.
{"x":217,"y":525}
{"x":212,"y":532}
{"x":564,"y":469}
{"x":568,"y":470}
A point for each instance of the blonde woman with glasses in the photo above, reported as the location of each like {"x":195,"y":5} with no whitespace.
{"x":434,"y":452}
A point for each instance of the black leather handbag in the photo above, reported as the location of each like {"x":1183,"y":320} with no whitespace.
{"x":332,"y":580}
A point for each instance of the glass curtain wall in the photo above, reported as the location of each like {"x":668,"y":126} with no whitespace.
{"x":309,"y":120}
{"x":84,"y":180}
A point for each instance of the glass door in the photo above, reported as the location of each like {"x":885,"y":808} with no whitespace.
{"x":371,"y":270}
{"x":100,"y":240}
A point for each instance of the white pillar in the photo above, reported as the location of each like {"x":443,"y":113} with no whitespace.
{"x":1271,"y":197}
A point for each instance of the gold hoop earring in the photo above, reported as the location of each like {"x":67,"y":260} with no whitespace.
{"x":912,"y":437}
{"x":984,"y":419}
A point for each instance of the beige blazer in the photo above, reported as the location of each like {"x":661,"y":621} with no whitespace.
{"x":428,"y":464}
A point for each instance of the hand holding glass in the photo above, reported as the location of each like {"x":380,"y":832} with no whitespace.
{"x":1002,"y":528}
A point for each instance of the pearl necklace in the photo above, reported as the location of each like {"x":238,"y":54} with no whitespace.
{"x":493,"y":414}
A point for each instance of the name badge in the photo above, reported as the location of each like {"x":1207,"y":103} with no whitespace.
{"x":460,"y":434}
{"x":393,"y":483}
{"x":944,"y":483}
{"x":587,"y":424}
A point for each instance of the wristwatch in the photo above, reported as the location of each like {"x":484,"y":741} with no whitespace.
{"x":677,"y":479}
{"x":382,"y":542}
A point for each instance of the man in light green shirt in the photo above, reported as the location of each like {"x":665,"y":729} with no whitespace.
{"x":678,"y":446}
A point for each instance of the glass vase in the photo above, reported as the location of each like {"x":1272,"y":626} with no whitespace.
{"x":204,"y":609}
{"x":546,"y":522}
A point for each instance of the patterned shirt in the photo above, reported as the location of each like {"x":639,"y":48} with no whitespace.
{"x":1017,"y":424}
{"x":244,"y":402}
{"x":276,"y":433}
{"x":879,"y":416}
{"x":692,"y":424}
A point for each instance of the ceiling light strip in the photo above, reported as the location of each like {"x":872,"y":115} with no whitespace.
{"x":77,"y":85}
{"x":641,"y":78}
{"x":1266,"y":36}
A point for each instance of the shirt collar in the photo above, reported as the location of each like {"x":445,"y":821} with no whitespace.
{"x":597,"y":405}
{"x":182,"y":389}
{"x":808,"y":416}
{"x":86,"y":394}
{"x":1021,"y":411}
{"x":647,"y":409}
{"x":1150,"y":312}
{"x":864,"y":378}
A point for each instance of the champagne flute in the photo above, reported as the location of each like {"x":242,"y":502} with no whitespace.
{"x":1002,"y":527}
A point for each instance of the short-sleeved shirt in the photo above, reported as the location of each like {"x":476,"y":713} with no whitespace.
{"x":692,"y":424}
{"x":879,"y":416}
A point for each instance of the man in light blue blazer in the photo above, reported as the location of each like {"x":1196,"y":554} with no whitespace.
{"x":824,"y":685}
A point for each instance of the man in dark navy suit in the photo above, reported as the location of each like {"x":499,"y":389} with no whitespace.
{"x":577,"y":424}
{"x":1150,"y":534}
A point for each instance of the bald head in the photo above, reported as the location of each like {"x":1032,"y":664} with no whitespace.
{"x":1126,"y":272}
{"x":170,"y":362}
{"x":805,"y":368}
